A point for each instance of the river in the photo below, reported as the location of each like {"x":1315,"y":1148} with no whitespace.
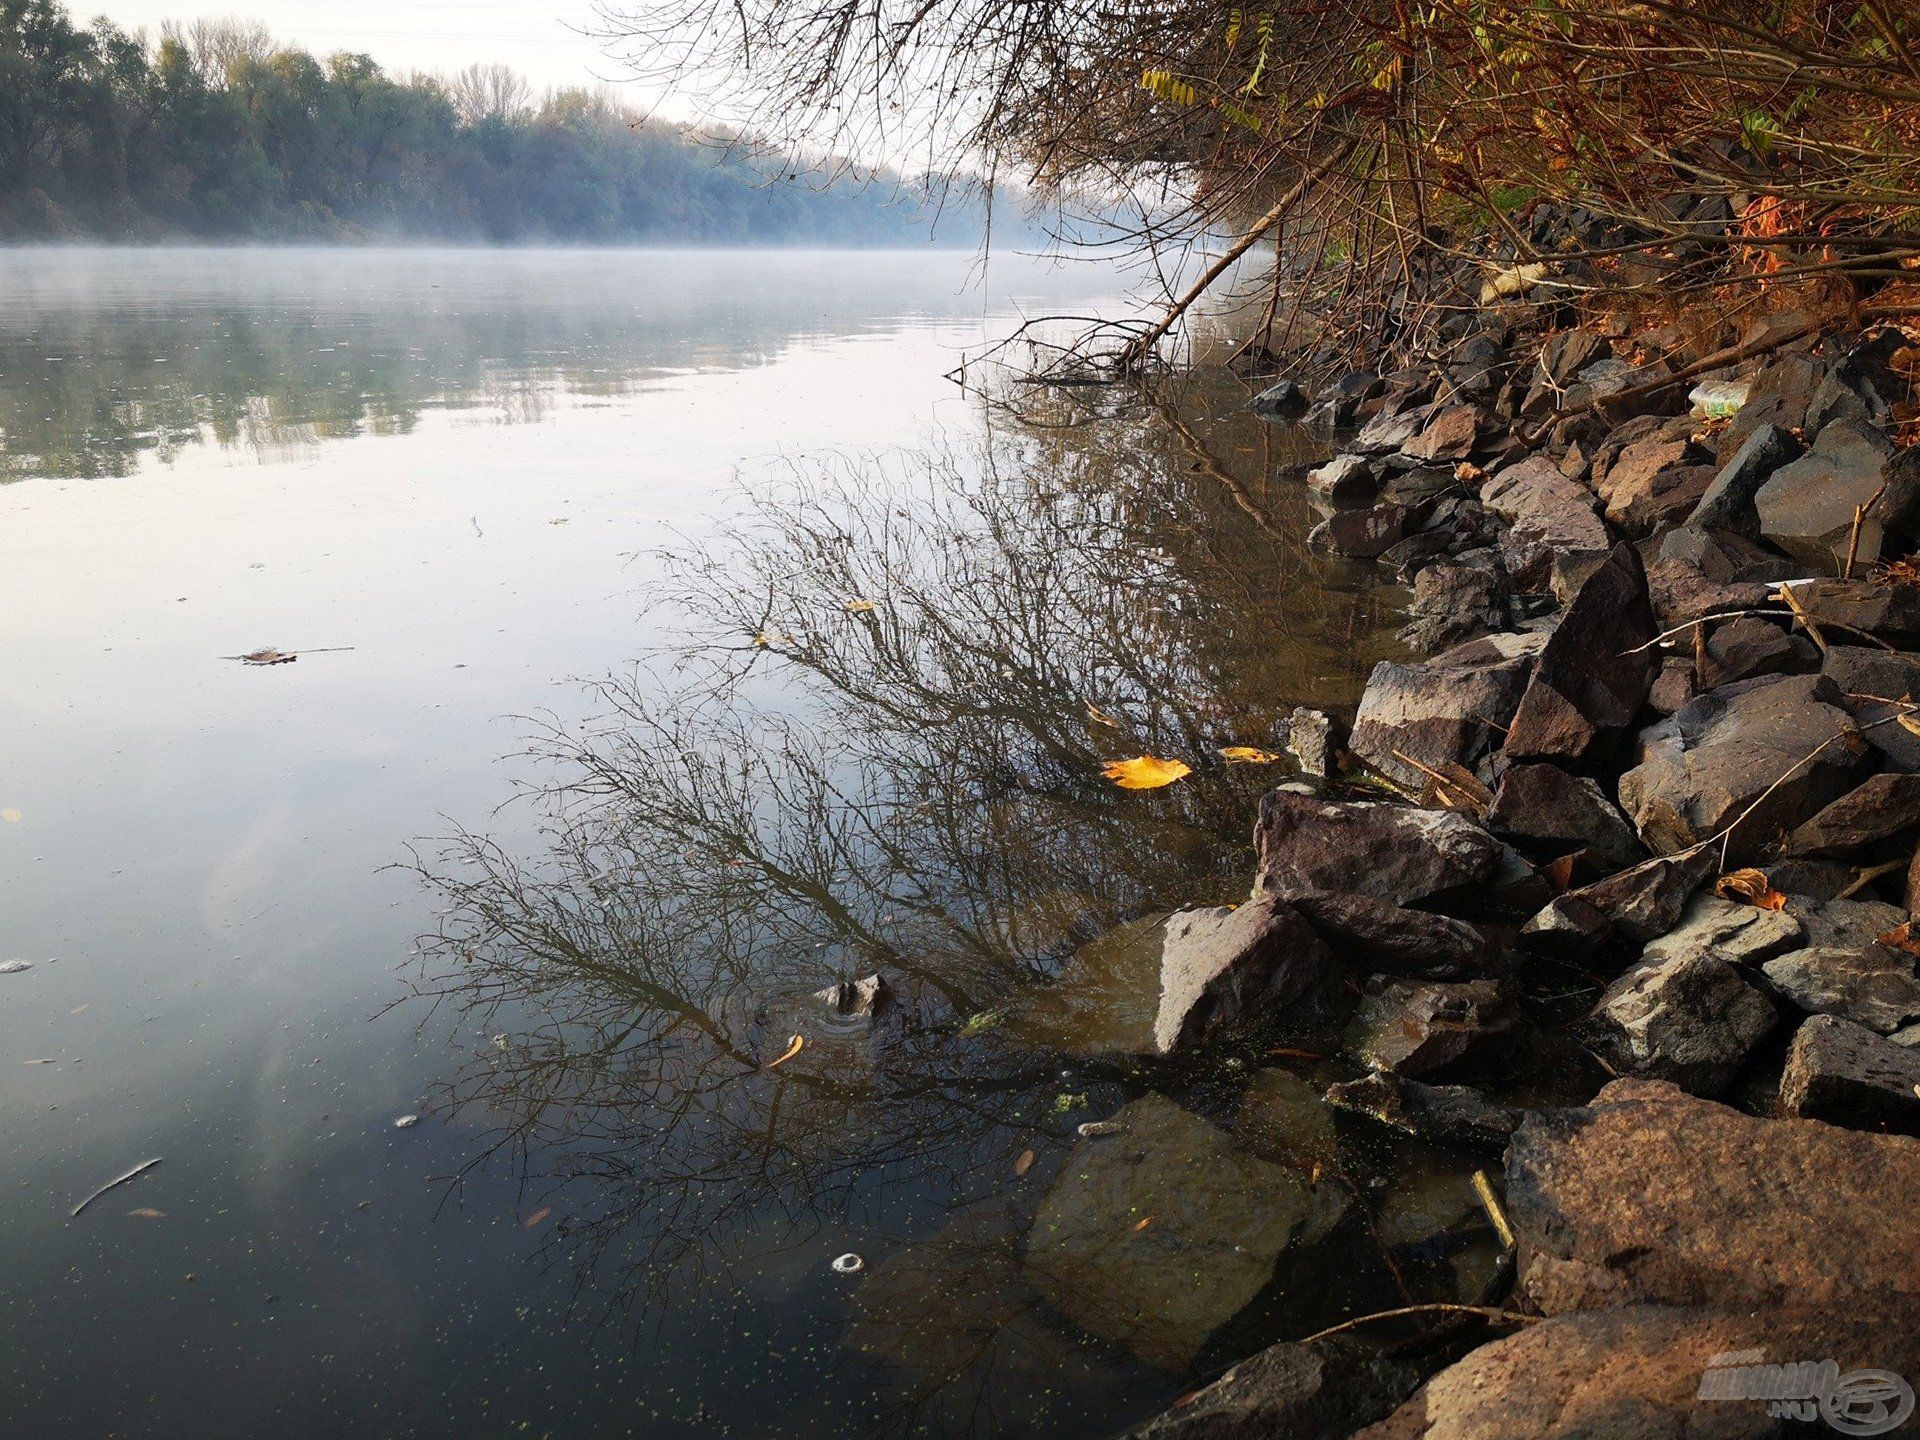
{"x":674,"y":639}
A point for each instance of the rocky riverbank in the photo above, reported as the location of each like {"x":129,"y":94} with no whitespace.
{"x":1663,"y":746}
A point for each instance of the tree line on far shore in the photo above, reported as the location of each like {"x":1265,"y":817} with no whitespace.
{"x":213,"y":131}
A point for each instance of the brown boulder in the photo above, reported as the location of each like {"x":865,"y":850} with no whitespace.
{"x":1596,"y":668}
{"x":1221,"y":966}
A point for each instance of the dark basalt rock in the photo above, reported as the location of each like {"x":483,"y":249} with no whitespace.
{"x":1365,"y":534}
{"x":1750,"y":646}
{"x":1652,"y":480}
{"x":1871,"y":985}
{"x":1379,"y":933}
{"x":1453,"y":604}
{"x":1882,"y":805}
{"x":1416,"y":1028}
{"x":1449,"y":435}
{"x":1282,"y":400}
{"x":1596,"y":669}
{"x":1845,"y":1074}
{"x":1452,"y":710}
{"x":1745,"y":753}
{"x":1724,"y":557}
{"x":1557,"y":812}
{"x":1691,"y":1019}
{"x":1854,"y":607}
{"x":1861,"y":671}
{"x":1807,"y":507}
{"x":1439,"y":1114}
{"x":1682,"y":593}
{"x":1219,"y":967}
{"x":1728,"y":503}
{"x":1547,"y":514}
{"x":1308,"y":846}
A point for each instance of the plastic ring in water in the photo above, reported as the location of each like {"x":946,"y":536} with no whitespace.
{"x":849,"y":1264}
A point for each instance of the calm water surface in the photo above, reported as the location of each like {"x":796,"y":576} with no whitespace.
{"x":675,"y":641}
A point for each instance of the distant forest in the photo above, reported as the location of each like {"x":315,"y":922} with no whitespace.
{"x":214,"y":132}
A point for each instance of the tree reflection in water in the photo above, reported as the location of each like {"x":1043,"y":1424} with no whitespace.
{"x":807,"y":787}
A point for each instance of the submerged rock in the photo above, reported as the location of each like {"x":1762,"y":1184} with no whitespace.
{"x":1845,"y":1074}
{"x":860,"y":999}
{"x":1104,"y":1000}
{"x":1303,"y":1390}
{"x":1220,"y":1222}
{"x":1690,"y":1019}
{"x":1649,"y":1194}
{"x":1416,"y":1028}
{"x":1308,"y":846}
{"x":1439,"y":1114}
{"x":1283,"y":1119}
{"x":1452,"y":710}
{"x":1766,"y":753}
{"x":1220,"y":966}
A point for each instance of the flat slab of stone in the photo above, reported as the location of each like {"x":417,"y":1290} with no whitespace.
{"x":1455,"y":1115}
{"x":1845,"y":1074}
{"x":1880,"y":806}
{"x":1221,"y":1219}
{"x":1452,"y":710}
{"x":1650,"y":1194}
{"x":1743,"y":934}
{"x":1807,"y":506}
{"x":1872,"y":986}
{"x":1413,"y":1028}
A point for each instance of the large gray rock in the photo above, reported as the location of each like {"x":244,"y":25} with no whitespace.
{"x":1303,"y":1390}
{"x":1765,"y":753}
{"x":1711,"y":926}
{"x":1308,"y":846}
{"x":1691,"y":1019}
{"x":1728,"y":503}
{"x":1221,"y":1222}
{"x":1344,"y":477}
{"x":1864,"y":671}
{"x":1551,"y":809}
{"x":1596,"y":668}
{"x":1414,"y":1028}
{"x":1638,"y":1373}
{"x":1748,"y":647}
{"x":1452,"y":710}
{"x":1807,"y":507}
{"x":1633,"y":907}
{"x":1548,"y":515}
{"x":1845,"y":1074}
{"x":1873,"y":986}
{"x":1649,"y":1194}
{"x":1220,"y":966}
{"x":1880,"y":806}
{"x":1282,"y":400}
{"x":1862,"y":607}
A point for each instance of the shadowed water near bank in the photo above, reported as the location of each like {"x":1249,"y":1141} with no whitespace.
{"x":855,"y":688}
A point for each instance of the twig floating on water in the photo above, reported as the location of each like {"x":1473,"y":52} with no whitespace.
{"x":134,"y":1174}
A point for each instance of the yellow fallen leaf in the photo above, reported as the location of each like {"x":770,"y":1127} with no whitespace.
{"x":1143,"y":1224}
{"x":1247,"y":755}
{"x":10,"y":815}
{"x":858,"y":607}
{"x":793,"y":1049}
{"x":772,"y":637}
{"x":1147,"y":772}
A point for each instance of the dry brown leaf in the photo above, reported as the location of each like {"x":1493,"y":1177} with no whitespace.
{"x":1148,"y":1220}
{"x":1247,"y":755}
{"x":1147,"y":772}
{"x":1024,"y":1163}
{"x":858,"y":607}
{"x":147,"y":1212}
{"x":1749,"y":887}
{"x":793,"y":1049}
{"x":1559,"y":872}
{"x":267,"y":657}
{"x":532,"y":1221}
{"x":1901,"y":937}
{"x":1099,"y":716}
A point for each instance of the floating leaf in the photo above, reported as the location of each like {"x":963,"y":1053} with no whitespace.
{"x":10,"y":815}
{"x":1247,"y":755}
{"x":147,"y":1212}
{"x":793,"y":1048}
{"x":1099,"y":716}
{"x":1148,"y":772}
{"x":266,"y":657}
{"x":1145,"y":1221}
{"x":532,"y":1222}
{"x":1749,"y":887}
{"x":1024,"y":1163}
{"x":405,"y":1122}
{"x":858,"y":607}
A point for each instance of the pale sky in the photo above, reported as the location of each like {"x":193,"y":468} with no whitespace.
{"x":539,"y":38}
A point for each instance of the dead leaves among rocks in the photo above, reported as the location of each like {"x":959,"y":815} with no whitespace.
{"x":1749,"y":887}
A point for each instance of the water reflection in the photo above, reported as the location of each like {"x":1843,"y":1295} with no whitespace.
{"x":115,"y":358}
{"x":873,"y":744}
